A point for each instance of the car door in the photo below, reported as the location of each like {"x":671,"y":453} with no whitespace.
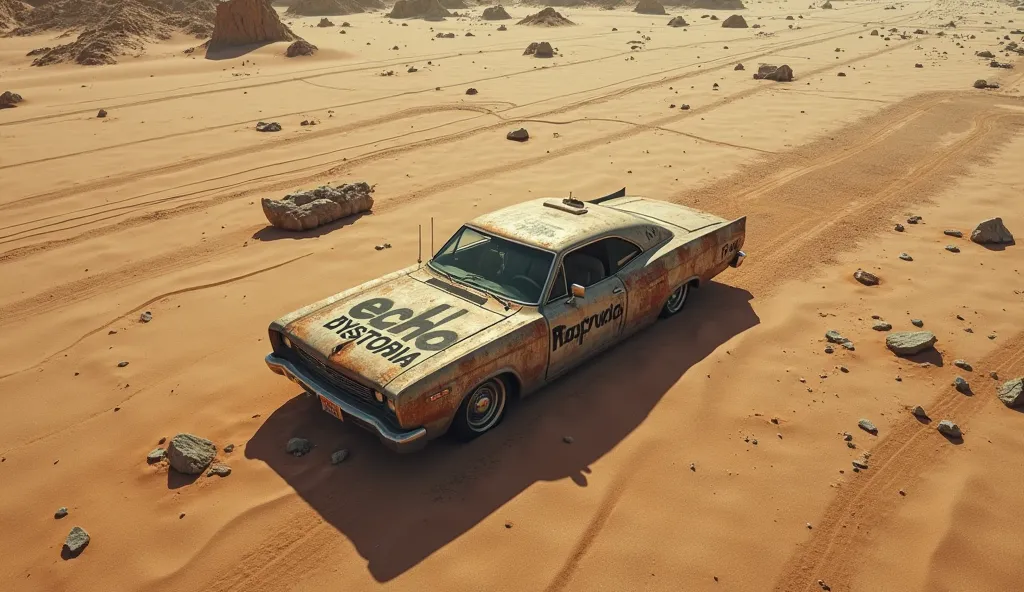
{"x":579,"y":328}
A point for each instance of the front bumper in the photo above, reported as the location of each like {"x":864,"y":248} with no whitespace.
{"x":396,"y":439}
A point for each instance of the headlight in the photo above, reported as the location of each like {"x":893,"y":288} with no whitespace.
{"x":391,"y":404}
{"x":379,"y":396}
{"x":287,"y":342}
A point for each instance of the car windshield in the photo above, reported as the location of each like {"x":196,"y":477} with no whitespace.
{"x":493,"y":264}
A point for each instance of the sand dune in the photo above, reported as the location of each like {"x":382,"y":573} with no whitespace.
{"x":156,"y":207}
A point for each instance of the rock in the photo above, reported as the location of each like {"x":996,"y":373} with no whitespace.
{"x":829,"y":349}
{"x":833,"y":336}
{"x":300,"y":48}
{"x":1012,"y":392}
{"x":678,"y":21}
{"x":325,"y":22}
{"x":847,"y":436}
{"x":9,"y":99}
{"x":540,"y":50}
{"x":949,"y":429}
{"x":899,"y":228}
{"x":953,"y":248}
{"x":919,"y":65}
{"x":961,"y":385}
{"x":992,"y":232}
{"x":430,"y":10}
{"x":547,"y":17}
{"x":189,"y":454}
{"x":865,"y":277}
{"x":827,"y":5}
{"x":101,"y":113}
{"x":841,"y":74}
{"x":122,"y":364}
{"x":908,"y":343}
{"x":567,"y":439}
{"x":298,"y":446}
{"x":146,"y":317}
{"x":777,"y":73}
{"x":305,"y":210}
{"x":981,"y":84}
{"x":445,"y":36}
{"x":919,"y":411}
{"x":874,"y":33}
{"x":229,"y":448}
{"x":339,"y":456}
{"x":502,"y":28}
{"x":984,"y":54}
{"x":860,"y":464}
{"x":684,"y":107}
{"x":519,"y":135}
{"x":906,"y":257}
{"x":76,"y":542}
{"x":882,"y":326}
{"x":962,"y":364}
{"x":649,"y":7}
{"x":156,"y":455}
{"x":867,"y":426}
{"x":495,"y":13}
{"x":219,"y":471}
{"x":273,"y":126}
{"x":734,"y":22}
{"x":247,"y":22}
{"x":954,"y":233}
{"x":739,"y":67}
{"x":471,"y":91}
{"x":917,"y":322}
{"x":60,"y":513}
{"x":913,"y":219}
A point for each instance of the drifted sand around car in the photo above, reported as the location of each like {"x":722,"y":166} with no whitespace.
{"x":707,"y":453}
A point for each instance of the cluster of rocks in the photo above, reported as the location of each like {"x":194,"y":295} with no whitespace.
{"x":539,"y":50}
{"x":781,"y":73}
{"x":833,"y":336}
{"x":306,"y":210}
{"x":10,"y":99}
{"x":548,"y":17}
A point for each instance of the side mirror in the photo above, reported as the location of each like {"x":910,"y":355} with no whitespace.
{"x":578,"y":291}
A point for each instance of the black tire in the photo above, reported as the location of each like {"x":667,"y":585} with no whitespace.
{"x":481,"y":410}
{"x":676,"y":301}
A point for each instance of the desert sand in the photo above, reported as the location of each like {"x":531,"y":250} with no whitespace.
{"x":707,"y":452}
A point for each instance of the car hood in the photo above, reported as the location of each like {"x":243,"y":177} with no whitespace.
{"x":379,"y":333}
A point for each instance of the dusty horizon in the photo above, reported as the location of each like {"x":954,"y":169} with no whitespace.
{"x":707,"y":452}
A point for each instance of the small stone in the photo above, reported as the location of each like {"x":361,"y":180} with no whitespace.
{"x":76,"y":542}
{"x":519,"y":135}
{"x":917,"y":322}
{"x":907,"y":343}
{"x":122,"y":364}
{"x":844,"y":369}
{"x":60,"y":513}
{"x":809,"y":527}
{"x":824,"y":586}
{"x":899,"y":228}
{"x":693,"y":467}
{"x":775,"y":420}
{"x":962,"y":364}
{"x":993,"y":375}
{"x":339,"y":456}
{"x":851,"y":445}
{"x":779,"y":435}
{"x":968,"y":330}
{"x":754,"y":441}
{"x":953,"y":248}
{"x":867,"y":426}
{"x":189,"y":454}
{"x":298,"y":446}
{"x":829,"y":349}
{"x":903,"y":492}
{"x":859,"y":464}
{"x":954,"y":233}
{"x":156,"y":455}
{"x":848,"y":345}
{"x":272,"y":126}
{"x":101,"y":113}
{"x":219,"y":471}
{"x":906,"y":257}
{"x":229,"y":448}
{"x":146,"y":317}
{"x":567,"y":439}
{"x":684,"y":107}
{"x":847,"y":436}
{"x":919,"y":411}
{"x":913,"y":219}
{"x":949,"y":429}
{"x":866,"y":278}
{"x":882,"y":326}
{"x":1011,"y":393}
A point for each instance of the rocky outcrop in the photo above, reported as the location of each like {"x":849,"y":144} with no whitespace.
{"x":908,"y":343}
{"x":992,"y":232}
{"x":430,"y":10}
{"x":300,"y":47}
{"x":649,"y":7}
{"x":306,"y":210}
{"x":496,"y":13}
{"x":10,"y":99}
{"x":781,"y":73}
{"x":323,"y":8}
{"x":735,"y":22}
{"x":190,"y":454}
{"x":678,"y":21}
{"x":11,"y":13}
{"x":549,"y":17}
{"x":247,"y":22}
{"x":707,"y":4}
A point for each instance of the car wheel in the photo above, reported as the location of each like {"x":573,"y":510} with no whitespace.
{"x":481,"y":410}
{"x":675,"y":301}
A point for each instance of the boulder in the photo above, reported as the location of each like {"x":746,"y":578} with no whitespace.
{"x":9,"y":99}
{"x":865,"y":277}
{"x":949,"y":429}
{"x":919,"y":411}
{"x":549,"y":17}
{"x":300,"y":47}
{"x":649,"y":7}
{"x":1012,"y":393}
{"x":539,"y":50}
{"x":781,"y":73}
{"x":247,"y":22}
{"x":867,"y":426}
{"x":827,"y":5}
{"x":496,"y":13}
{"x":430,"y":10}
{"x":263,"y":126}
{"x":76,"y":542}
{"x":519,"y":135}
{"x":305,"y":210}
{"x":992,"y":232}
{"x":734,"y":22}
{"x":678,"y":21}
{"x":908,"y":343}
{"x":189,"y":454}
{"x":325,"y":22}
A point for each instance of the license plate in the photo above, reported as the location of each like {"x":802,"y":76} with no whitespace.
{"x":330,"y":407}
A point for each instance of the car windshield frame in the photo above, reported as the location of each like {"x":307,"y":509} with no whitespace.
{"x":447,"y":272}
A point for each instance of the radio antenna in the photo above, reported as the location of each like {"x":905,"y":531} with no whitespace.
{"x":431,"y":236}
{"x":419,"y":256}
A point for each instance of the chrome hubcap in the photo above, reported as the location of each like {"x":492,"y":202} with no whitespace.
{"x":677,"y":298}
{"x":485,"y":405}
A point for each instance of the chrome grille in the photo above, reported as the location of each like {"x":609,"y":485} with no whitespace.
{"x":336,"y":378}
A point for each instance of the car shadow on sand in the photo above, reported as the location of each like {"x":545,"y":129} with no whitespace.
{"x":399,"y":509}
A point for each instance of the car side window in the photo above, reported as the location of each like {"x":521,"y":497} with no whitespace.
{"x":592,"y":263}
{"x":619,"y":252}
{"x":558,"y":288}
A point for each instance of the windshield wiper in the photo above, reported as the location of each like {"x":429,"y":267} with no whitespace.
{"x":466,"y":278}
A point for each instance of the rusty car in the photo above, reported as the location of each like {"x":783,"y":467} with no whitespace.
{"x":513,"y":300}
